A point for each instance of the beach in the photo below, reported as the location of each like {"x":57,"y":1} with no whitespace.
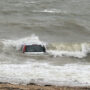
{"x":6,"y":86}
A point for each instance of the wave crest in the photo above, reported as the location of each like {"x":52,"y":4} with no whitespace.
{"x":79,"y":50}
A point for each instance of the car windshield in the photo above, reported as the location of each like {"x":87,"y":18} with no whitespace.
{"x":34,"y":48}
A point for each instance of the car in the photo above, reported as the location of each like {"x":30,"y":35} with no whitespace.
{"x":34,"y":48}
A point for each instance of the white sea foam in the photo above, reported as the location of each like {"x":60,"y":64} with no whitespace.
{"x":71,"y":74}
{"x":51,"y":11}
{"x":75,"y":50}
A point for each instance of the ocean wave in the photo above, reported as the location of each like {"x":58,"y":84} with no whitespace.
{"x":70,"y":74}
{"x":79,"y":50}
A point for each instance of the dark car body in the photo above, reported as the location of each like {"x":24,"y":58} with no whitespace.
{"x":33,"y":48}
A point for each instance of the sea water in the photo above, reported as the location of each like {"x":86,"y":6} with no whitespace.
{"x":61,"y":26}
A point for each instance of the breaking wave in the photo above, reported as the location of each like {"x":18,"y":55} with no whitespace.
{"x":70,"y":74}
{"x":78,"y":50}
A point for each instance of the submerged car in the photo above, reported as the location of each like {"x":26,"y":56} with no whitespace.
{"x":33,"y":48}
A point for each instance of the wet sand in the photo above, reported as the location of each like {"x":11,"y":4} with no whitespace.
{"x":6,"y":86}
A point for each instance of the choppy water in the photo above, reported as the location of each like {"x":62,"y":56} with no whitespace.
{"x":63,"y":26}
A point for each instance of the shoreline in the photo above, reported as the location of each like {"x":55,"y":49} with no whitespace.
{"x":32,"y":86}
